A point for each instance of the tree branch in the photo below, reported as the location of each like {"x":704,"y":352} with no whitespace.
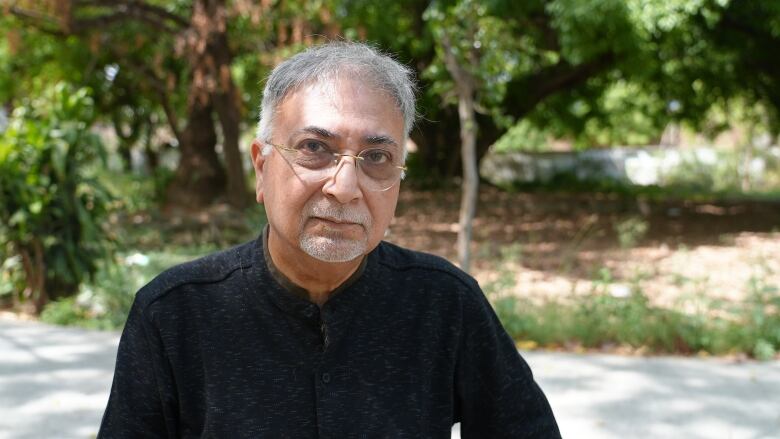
{"x":84,"y":25}
{"x":151,"y":15}
{"x":158,"y":85}
{"x":524,"y":94}
{"x":140,"y":9}
{"x":37,"y":20}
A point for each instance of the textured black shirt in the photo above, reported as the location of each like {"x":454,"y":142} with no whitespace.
{"x":219,"y":348}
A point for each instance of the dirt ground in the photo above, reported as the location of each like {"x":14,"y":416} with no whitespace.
{"x":559,"y":244}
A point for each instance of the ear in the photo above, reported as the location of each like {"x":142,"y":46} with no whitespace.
{"x":258,"y":160}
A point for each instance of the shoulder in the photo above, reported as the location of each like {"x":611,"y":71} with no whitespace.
{"x":208,"y":270}
{"x":427,"y":266}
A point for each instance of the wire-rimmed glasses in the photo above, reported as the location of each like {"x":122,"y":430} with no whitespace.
{"x":313,"y":161}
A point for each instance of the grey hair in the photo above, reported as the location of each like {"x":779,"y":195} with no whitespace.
{"x":323,"y":63}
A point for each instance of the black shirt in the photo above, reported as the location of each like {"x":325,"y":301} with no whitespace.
{"x":218,"y":348}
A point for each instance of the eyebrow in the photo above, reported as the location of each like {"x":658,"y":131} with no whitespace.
{"x":372,"y":139}
{"x":379,"y":139}
{"x":317,"y":131}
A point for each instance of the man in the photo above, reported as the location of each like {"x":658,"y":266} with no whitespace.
{"x":319,"y":329}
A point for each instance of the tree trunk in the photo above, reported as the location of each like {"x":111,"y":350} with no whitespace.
{"x":209,"y":56}
{"x":470,"y":185}
{"x":464,"y":86}
{"x":227,"y":104}
{"x":747,"y":159}
{"x":436,"y":140}
{"x":199,"y":178}
{"x":34,"y":267}
{"x":230,"y":120}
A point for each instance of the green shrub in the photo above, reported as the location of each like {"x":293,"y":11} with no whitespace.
{"x":64,"y":311}
{"x":51,"y":208}
{"x":630,"y":231}
{"x":104,"y":301}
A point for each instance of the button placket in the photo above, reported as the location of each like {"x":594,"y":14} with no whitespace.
{"x":325,"y":338}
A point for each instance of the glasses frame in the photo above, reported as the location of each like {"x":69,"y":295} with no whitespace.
{"x":337,"y":156}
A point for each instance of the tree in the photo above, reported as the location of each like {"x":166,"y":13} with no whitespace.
{"x":188,"y":45}
{"x":565,"y":66}
{"x":464,"y":61}
{"x":573,"y":67}
{"x":465,"y":85}
{"x":740,"y":59}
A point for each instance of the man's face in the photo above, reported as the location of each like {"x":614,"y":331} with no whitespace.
{"x":335,"y":220}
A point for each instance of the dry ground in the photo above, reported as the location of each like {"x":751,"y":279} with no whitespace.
{"x":556,"y":244}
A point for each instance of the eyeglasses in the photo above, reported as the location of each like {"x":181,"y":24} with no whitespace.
{"x":313,"y":161}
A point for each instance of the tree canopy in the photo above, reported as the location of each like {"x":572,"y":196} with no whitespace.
{"x":598,"y":71}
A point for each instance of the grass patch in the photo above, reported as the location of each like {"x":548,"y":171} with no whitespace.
{"x":602,"y":319}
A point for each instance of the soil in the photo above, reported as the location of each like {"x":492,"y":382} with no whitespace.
{"x":557,"y":244}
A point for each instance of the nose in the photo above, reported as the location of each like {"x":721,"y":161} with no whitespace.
{"x":343,"y":184}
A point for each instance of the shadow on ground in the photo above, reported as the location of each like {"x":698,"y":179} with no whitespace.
{"x":618,"y":397}
{"x":54,"y":381}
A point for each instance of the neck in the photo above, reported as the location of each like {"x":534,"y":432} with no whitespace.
{"x":317,"y":277}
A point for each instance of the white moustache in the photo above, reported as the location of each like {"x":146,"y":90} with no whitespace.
{"x":338,"y":214}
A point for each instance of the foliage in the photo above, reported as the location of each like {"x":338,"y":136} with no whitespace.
{"x":630,"y":231}
{"x":598,"y":72}
{"x":104,"y":301}
{"x":523,"y":136}
{"x":51,"y":206}
{"x":149,"y":246}
{"x":762,"y":313}
{"x":483,"y":45}
{"x":147,"y":243}
{"x":725,"y":171}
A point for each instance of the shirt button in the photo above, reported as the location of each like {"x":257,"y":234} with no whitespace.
{"x":326,"y":378}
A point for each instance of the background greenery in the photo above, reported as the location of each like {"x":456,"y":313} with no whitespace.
{"x":121,"y":112}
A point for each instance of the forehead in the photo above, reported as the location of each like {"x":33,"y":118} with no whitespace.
{"x":342,"y":106}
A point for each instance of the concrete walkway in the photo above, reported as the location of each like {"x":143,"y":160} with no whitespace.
{"x":54,"y":383}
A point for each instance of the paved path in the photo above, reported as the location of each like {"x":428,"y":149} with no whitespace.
{"x":54,"y":383}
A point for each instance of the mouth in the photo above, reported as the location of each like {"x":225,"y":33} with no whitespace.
{"x":335,"y":221}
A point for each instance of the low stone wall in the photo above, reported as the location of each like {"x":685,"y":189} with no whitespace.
{"x":631,"y":165}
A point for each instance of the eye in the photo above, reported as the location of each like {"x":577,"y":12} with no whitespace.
{"x":312,"y":147}
{"x":376,"y":156}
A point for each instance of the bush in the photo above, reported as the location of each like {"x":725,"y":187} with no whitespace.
{"x":51,"y":207}
{"x":104,"y":301}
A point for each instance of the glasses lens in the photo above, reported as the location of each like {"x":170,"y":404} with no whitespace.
{"x":309,"y":161}
{"x":310,"y":155}
{"x":377,"y":170}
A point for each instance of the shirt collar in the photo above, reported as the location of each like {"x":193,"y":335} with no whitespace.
{"x":291,"y":287}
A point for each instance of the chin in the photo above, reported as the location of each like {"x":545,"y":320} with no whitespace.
{"x":333,"y":250}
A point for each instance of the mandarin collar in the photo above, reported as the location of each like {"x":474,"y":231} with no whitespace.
{"x":293,"y":298}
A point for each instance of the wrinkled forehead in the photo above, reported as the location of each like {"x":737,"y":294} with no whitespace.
{"x":346,"y":82}
{"x":341,"y":105}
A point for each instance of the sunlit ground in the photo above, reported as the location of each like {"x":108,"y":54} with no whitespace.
{"x":54,"y":383}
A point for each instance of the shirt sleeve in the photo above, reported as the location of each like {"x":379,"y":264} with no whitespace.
{"x":140,"y":404}
{"x":497,"y":396}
